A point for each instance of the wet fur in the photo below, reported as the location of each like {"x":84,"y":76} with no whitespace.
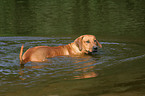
{"x":41,"y":53}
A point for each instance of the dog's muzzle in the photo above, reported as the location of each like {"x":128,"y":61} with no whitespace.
{"x":95,"y":49}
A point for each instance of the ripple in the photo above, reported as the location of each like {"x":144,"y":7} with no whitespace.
{"x":62,"y":67}
{"x":132,"y":58}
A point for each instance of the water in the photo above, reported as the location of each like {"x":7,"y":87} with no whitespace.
{"x":65,"y":18}
{"x":118,"y":68}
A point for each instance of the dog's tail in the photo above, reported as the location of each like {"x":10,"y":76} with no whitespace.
{"x":20,"y":56}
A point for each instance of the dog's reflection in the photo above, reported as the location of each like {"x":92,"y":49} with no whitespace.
{"x":83,"y":67}
{"x":86,"y":69}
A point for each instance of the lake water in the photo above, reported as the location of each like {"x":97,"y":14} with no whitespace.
{"x":117,"y":69}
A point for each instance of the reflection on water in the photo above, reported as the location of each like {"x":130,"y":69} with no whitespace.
{"x":59,"y":18}
{"x":66,"y":68}
{"x":117,"y":69}
{"x":73,"y":67}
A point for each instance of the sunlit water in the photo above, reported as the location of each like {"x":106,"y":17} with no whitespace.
{"x":62,"y":68}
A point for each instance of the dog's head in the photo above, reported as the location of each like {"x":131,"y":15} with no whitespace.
{"x":87,"y":43}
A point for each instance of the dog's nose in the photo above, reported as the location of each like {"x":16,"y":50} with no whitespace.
{"x":95,"y":47}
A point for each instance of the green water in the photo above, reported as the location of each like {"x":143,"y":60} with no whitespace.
{"x":55,"y":18}
{"x":116,"y":70}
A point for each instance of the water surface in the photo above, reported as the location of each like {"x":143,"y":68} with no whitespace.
{"x":118,"y":68}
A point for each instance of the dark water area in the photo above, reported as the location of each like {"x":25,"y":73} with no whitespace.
{"x":117,"y":69}
{"x":59,"y":18}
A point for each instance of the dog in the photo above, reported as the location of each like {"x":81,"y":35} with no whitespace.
{"x":84,"y":44}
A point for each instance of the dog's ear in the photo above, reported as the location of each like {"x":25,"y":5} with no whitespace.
{"x":99,"y":44}
{"x":79,"y":42}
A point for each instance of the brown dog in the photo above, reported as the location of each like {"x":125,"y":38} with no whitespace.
{"x":82,"y":45}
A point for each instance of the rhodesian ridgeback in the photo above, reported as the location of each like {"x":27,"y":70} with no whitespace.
{"x":84,"y":44}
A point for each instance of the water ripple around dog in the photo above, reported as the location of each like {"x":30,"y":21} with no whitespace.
{"x":62,"y":67}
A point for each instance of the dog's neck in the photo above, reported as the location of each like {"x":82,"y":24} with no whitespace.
{"x":74,"y":49}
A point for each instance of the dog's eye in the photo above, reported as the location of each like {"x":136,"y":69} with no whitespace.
{"x":95,"y":40}
{"x":88,"y":41}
